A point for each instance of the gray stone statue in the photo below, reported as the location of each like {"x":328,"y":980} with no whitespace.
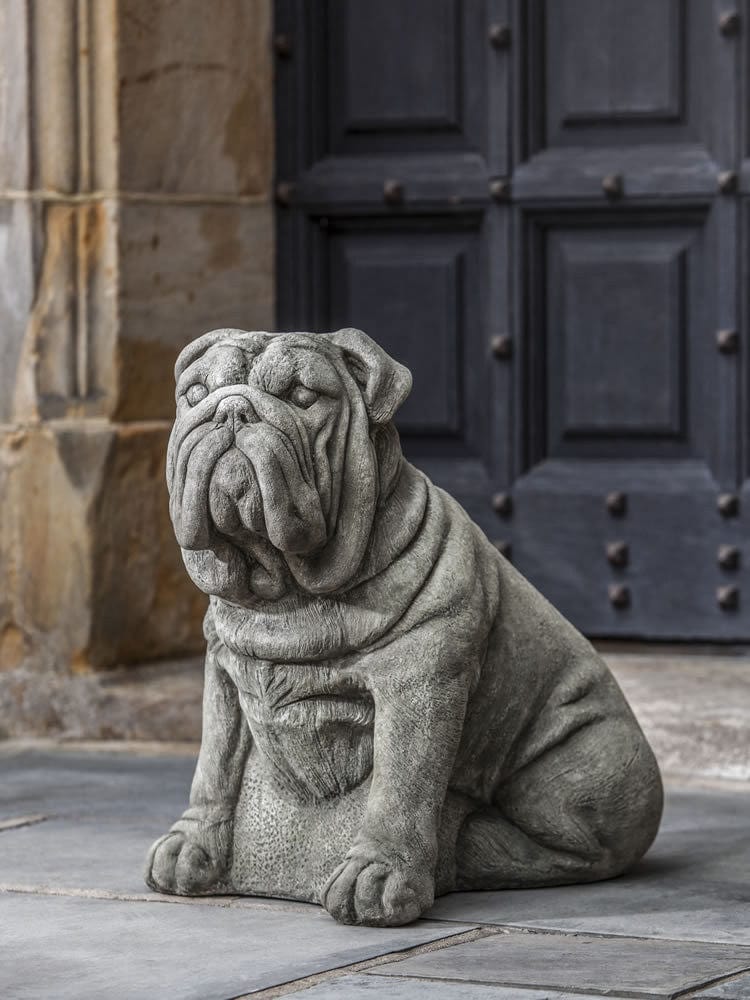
{"x":391,"y":711}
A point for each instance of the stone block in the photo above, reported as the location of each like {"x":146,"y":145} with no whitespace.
{"x":85,"y":949}
{"x":678,"y":694}
{"x":736,"y":988}
{"x":373,"y":987}
{"x":58,"y":308}
{"x":14,"y":96}
{"x":613,"y":966}
{"x":185,"y":269}
{"x":17,"y":266}
{"x":91,"y":575}
{"x":196,"y":97}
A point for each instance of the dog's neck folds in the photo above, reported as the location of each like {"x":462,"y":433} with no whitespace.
{"x":304,"y":628}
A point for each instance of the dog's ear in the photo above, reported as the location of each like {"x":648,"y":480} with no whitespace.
{"x":385,"y":383}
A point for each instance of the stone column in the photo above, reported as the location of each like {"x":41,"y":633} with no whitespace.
{"x":135,"y":213}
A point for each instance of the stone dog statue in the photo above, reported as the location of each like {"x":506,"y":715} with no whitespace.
{"x":391,"y":711}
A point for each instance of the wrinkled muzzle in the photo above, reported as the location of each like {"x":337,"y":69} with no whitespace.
{"x":235,"y":475}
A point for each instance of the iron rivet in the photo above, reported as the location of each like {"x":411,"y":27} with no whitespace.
{"x":499,"y":36}
{"x":500,"y":189}
{"x":728,"y":597}
{"x":613,"y":186}
{"x":285,"y":191}
{"x":393,"y":192}
{"x":503,"y":547}
{"x":728,"y":504}
{"x":502,"y":504}
{"x":727,"y":181}
{"x":729,"y":23}
{"x":502,"y":346}
{"x":728,"y":341}
{"x":616,"y":503}
{"x":728,"y":557}
{"x":619,"y":595}
{"x":617,"y":553}
{"x":283,"y":45}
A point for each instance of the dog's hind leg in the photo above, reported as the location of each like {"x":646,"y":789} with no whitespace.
{"x":586,"y":809}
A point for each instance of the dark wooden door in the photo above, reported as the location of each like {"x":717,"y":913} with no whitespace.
{"x":540,"y":207}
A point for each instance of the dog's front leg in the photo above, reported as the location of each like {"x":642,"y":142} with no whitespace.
{"x":193,"y":857}
{"x":388,"y":876}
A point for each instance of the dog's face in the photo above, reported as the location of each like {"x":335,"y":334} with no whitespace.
{"x":271,"y":466}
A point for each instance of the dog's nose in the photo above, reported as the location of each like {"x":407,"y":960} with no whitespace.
{"x":236,"y":410}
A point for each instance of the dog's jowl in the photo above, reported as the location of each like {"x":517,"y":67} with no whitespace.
{"x":391,"y":711}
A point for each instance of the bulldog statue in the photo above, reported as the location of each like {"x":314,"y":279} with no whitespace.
{"x":391,"y":711}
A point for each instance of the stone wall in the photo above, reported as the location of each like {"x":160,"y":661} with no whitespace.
{"x":135,"y":213}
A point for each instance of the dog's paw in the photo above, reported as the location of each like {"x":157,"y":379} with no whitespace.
{"x":378,"y":892}
{"x":184,"y":865}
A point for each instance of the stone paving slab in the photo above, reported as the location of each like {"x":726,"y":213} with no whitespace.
{"x":102,"y":812}
{"x":737,"y":988}
{"x":76,"y":783}
{"x":625,"y":966}
{"x":99,"y":930}
{"x":696,"y":723}
{"x":86,"y":949}
{"x":370,"y":987}
{"x":693,"y":885}
{"x":106,"y":809}
{"x":100,"y":853}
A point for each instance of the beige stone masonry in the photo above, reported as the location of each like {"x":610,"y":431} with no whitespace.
{"x":135,"y":213}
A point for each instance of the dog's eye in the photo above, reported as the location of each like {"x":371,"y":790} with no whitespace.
{"x":302,"y":396}
{"x":196,"y":393}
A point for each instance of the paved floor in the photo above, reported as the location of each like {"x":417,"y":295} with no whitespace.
{"x":77,"y":922}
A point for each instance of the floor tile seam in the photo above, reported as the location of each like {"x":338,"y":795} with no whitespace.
{"x":565,"y":990}
{"x":338,"y":972}
{"x":534,"y":929}
{"x":696,"y":991}
{"x":19,"y":822}
{"x":244,"y":903}
{"x":690,"y":992}
{"x":221,"y":902}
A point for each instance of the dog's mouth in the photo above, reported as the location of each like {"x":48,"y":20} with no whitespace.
{"x":244,"y":483}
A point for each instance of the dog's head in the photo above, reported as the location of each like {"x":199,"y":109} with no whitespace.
{"x":275,"y":459}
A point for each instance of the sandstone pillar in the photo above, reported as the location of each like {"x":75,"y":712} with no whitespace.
{"x":134,"y":214}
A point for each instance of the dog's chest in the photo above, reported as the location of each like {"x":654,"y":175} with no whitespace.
{"x":313,"y":724}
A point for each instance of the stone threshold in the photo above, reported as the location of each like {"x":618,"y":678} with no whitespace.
{"x":693,"y":705}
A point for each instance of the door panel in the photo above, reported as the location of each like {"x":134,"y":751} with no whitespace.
{"x":628,"y":370}
{"x":401,"y":77}
{"x":540,"y":207}
{"x":407,"y":289}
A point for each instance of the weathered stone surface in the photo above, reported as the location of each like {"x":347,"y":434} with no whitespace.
{"x":694,"y":709}
{"x":91,"y":574}
{"x":86,"y":949}
{"x":124,"y":125}
{"x":189,"y":63}
{"x":17,"y":267}
{"x":182,"y":266}
{"x":383,"y":690}
{"x":736,"y":988}
{"x":66,"y":327}
{"x":397,"y":988}
{"x":155,"y":702}
{"x":14,"y":96}
{"x":100,"y":805}
{"x":623,"y":966}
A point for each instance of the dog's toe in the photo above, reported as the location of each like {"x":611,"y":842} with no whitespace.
{"x":376,"y":893}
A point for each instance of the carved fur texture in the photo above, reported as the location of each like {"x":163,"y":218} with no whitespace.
{"x":390,"y":709}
